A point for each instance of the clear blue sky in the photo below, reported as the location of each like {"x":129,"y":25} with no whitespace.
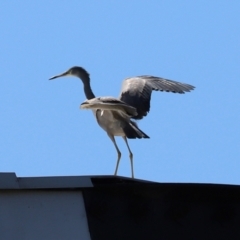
{"x":195,"y":137}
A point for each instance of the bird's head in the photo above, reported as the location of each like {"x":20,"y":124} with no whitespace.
{"x":74,"y":71}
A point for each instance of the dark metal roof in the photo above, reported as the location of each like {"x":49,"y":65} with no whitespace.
{"x":123,"y":208}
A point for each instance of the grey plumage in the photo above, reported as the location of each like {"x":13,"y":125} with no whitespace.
{"x":109,"y":103}
{"x":115,"y":115}
{"x":136,"y":91}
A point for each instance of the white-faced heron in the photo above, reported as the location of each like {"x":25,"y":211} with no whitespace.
{"x":116,"y":115}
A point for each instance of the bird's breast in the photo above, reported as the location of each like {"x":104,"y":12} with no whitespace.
{"x":109,"y":122}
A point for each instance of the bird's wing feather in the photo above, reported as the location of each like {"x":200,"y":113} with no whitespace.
{"x":109,"y":103}
{"x":136,"y":91}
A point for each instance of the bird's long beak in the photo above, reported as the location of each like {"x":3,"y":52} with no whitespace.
{"x":60,"y":75}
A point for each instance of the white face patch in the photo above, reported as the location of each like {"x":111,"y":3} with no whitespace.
{"x":102,"y":112}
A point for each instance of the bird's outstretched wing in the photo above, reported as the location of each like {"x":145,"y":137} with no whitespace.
{"x":136,"y":91}
{"x":109,"y":103}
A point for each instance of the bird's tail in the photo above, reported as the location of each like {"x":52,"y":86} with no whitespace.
{"x":132,"y":131}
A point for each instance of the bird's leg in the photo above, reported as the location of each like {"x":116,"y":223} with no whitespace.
{"x":130,"y":155}
{"x":118,"y":151}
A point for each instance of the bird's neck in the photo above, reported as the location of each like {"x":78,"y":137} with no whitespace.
{"x":88,"y":91}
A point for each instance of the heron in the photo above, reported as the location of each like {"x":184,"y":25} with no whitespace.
{"x":117,"y":116}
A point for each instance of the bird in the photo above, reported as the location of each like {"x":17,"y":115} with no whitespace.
{"x":117,"y":116}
